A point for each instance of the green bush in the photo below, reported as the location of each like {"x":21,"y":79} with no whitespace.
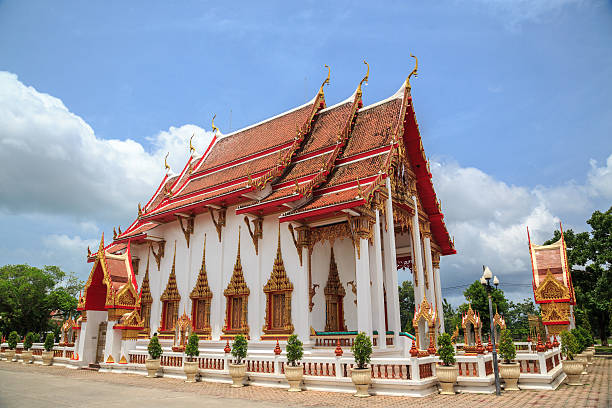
{"x":295,"y":350}
{"x":507,"y":351}
{"x":29,"y":340}
{"x":362,"y":349}
{"x":446,"y":349}
{"x":49,"y":342}
{"x":580,"y":339}
{"x":192,"y":347}
{"x":239,"y":348}
{"x":13,"y":340}
{"x":154,"y":348}
{"x":569,"y":345}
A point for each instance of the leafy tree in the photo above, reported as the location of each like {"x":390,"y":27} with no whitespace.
{"x":295,"y":350}
{"x":13,"y":340}
{"x":590,"y":257}
{"x":29,"y":340}
{"x":476,"y":294}
{"x":49,"y":343}
{"x":155,"y":349}
{"x":507,"y":351}
{"x":452,"y":318}
{"x":362,"y":349}
{"x":192,"y":346}
{"x":569,"y":345}
{"x":239,"y":348}
{"x":30,"y":294}
{"x":406,"y":300}
{"x":446,"y":349}
{"x":517,"y":317}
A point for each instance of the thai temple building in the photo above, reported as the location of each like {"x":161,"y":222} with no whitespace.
{"x":552,"y":285}
{"x":294,"y":225}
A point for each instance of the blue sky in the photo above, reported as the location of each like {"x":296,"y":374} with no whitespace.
{"x":512,"y":99}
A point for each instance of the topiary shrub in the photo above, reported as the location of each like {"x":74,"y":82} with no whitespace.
{"x":192,"y":347}
{"x":295,"y":350}
{"x":13,"y":340}
{"x":580,"y":339}
{"x":569,"y":345}
{"x":362,"y":349}
{"x":154,"y":348}
{"x":29,"y":340}
{"x":239,"y":348}
{"x":446,"y":351}
{"x":507,"y":351}
{"x":49,"y":342}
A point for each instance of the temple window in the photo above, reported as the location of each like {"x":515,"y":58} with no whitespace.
{"x":200,"y":299}
{"x":237,"y":298}
{"x":334,"y":298}
{"x":170,"y":301}
{"x":278,"y":291}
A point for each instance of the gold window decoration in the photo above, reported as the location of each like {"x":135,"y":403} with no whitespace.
{"x":278,"y":292}
{"x":170,"y":301}
{"x":146,"y":300}
{"x":334,"y":299}
{"x":200,"y":301}
{"x":237,"y":299}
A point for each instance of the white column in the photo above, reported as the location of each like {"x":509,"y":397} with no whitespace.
{"x":301,"y":314}
{"x":417,"y":262}
{"x":362,"y":276}
{"x":185,"y":297}
{"x":428,"y":270}
{"x":393,"y":314}
{"x":257,"y":298}
{"x":218,"y":300}
{"x":439,"y":299}
{"x":377,"y":286}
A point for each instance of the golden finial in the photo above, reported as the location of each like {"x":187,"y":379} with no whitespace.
{"x":88,"y":251}
{"x":326,"y":79}
{"x":414,"y":71}
{"x":139,"y":210}
{"x":365,"y":78}
{"x":214,"y":128}
{"x":119,"y":230}
{"x":191,"y":148}
{"x":101,"y":247}
{"x":114,"y":233}
{"x":166,"y":162}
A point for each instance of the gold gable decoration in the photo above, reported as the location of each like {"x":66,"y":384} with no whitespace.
{"x":171,"y":292}
{"x":551,"y":289}
{"x":278,"y":291}
{"x":236,"y":301}
{"x":201,"y":296}
{"x":426,"y":312}
{"x":130,"y":324}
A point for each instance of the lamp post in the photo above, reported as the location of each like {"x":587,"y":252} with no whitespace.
{"x":485,"y":280}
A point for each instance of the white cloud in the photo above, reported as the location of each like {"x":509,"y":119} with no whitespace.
{"x":488,"y":219}
{"x":54,"y":163}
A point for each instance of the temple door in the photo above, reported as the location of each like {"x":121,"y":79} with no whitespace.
{"x":236,"y":312}
{"x":332,"y":315}
{"x":101,"y":342}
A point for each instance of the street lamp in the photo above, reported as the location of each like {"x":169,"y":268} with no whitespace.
{"x":485,"y":280}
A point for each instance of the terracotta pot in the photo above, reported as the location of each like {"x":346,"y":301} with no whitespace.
{"x":10,"y":354}
{"x":294,"y":377}
{"x":191,"y":370}
{"x":237,"y":372}
{"x":47,"y":357}
{"x":510,"y":373}
{"x":26,"y":357}
{"x":152,"y":366}
{"x":572,"y":368}
{"x":582,"y":357}
{"x":447,"y":377}
{"x":362,"y":377}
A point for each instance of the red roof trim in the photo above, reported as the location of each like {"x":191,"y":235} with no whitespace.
{"x":265,"y":204}
{"x":364,"y":155}
{"x":318,"y":152}
{"x":349,"y":184}
{"x":321,"y":210}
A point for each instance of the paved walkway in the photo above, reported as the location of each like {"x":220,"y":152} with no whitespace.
{"x":36,"y":386}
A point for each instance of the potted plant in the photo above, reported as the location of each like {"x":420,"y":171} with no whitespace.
{"x":586,"y":340}
{"x":446,"y":371}
{"x":155,"y":351}
{"x":190,"y":366}
{"x":510,"y":370}
{"x":237,"y":369}
{"x":361,"y":376}
{"x":26,"y":354}
{"x":12,"y":344}
{"x":572,"y":368}
{"x":293,"y":370}
{"x":581,"y":341}
{"x":47,"y":354}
